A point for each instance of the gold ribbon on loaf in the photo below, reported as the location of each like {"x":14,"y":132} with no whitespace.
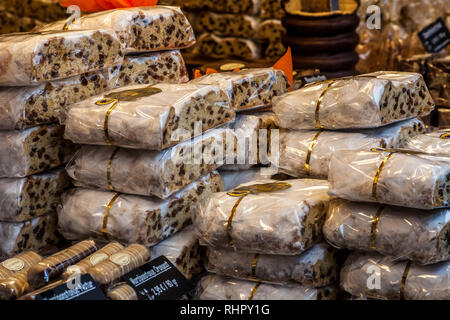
{"x":310,"y":149}
{"x":252,"y":294}
{"x":319,"y":102}
{"x":254,"y":265}
{"x":373,"y":229}
{"x":108,"y":169}
{"x":242,"y":192}
{"x":403,"y":283}
{"x":106,"y":214}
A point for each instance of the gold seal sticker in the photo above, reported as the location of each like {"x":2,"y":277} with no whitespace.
{"x":13,"y":264}
{"x":445,"y":135}
{"x":96,"y":258}
{"x":121,"y":259}
{"x":231,"y":66}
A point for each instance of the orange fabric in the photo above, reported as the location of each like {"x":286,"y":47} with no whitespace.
{"x":285,"y":64}
{"x":144,"y":3}
{"x":197,"y":74}
{"x":236,"y":70}
{"x":100,"y":5}
{"x":105,"y":4}
{"x":209,"y":70}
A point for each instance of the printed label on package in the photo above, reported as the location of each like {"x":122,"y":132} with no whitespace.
{"x":83,"y":288}
{"x":310,"y":79}
{"x":158,"y":280}
{"x":435,"y":37}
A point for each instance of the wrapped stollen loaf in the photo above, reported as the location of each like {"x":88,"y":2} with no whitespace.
{"x":183,"y":250}
{"x":148,"y":117}
{"x":139,"y":29}
{"x":148,"y":173}
{"x":213,"y":287}
{"x":148,"y":68}
{"x":18,"y":263}
{"x":211,"y":45}
{"x":389,"y":176}
{"x":16,"y":283}
{"x":253,"y":134}
{"x":365,"y":101}
{"x":265,"y":216}
{"x":307,"y":152}
{"x":131,"y":219}
{"x":250,"y":88}
{"x":34,"y":150}
{"x":433,"y":142}
{"x":23,"y":107}
{"x":39,"y":234}
{"x":119,"y":264}
{"x":26,"y":198}
{"x":98,"y":256}
{"x":317,"y":267}
{"x":397,"y":232}
{"x":370,"y":275}
{"x":53,"y":266}
{"x":31,"y":58}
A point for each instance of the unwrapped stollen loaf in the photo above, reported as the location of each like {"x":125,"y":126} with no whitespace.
{"x":148,"y":117}
{"x":131,"y":219}
{"x":433,"y":142}
{"x":366,"y":101}
{"x":370,"y":275}
{"x":317,"y":267}
{"x":34,"y":150}
{"x":391,"y":177}
{"x":119,"y":264}
{"x":148,"y":68}
{"x":26,"y":198}
{"x":250,"y":88}
{"x":23,"y":107}
{"x":212,"y":287}
{"x":307,"y":152}
{"x":148,"y":173}
{"x":183,"y":250}
{"x":400,"y":233}
{"x":38,"y":234}
{"x":34,"y":57}
{"x":265,"y":216}
{"x":139,"y":29}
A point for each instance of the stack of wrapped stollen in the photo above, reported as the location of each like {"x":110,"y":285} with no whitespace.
{"x":264,"y":242}
{"x":392,"y":199}
{"x":41,"y":73}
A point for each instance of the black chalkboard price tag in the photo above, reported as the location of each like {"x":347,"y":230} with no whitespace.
{"x":84,"y":289}
{"x":158,"y":280}
{"x":435,"y":37}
